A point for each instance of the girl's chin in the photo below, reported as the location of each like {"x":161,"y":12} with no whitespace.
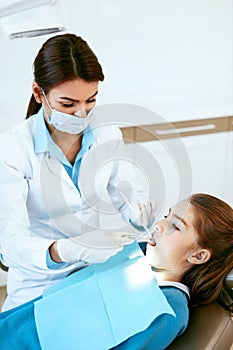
{"x":151,"y":254}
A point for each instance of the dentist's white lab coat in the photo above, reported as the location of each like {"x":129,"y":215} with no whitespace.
{"x":39,"y":203}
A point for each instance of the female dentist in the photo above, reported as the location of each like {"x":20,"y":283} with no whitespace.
{"x":48,"y":202}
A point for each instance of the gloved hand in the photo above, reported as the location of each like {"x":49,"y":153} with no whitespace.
{"x":92,"y":247}
{"x":141,"y":213}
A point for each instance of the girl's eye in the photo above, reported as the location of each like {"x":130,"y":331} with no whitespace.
{"x":175,"y":227}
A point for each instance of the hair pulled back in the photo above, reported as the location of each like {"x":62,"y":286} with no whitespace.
{"x":214,"y":225}
{"x":60,"y":59}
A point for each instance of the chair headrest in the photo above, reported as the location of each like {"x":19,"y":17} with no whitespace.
{"x":229,"y":279}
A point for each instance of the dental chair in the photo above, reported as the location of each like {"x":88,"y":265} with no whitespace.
{"x":210,"y":327}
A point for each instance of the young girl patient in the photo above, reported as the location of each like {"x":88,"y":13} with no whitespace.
{"x":191,"y":256}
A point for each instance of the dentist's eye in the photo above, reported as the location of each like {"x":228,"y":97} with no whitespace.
{"x":68,"y":105}
{"x":91,"y":101}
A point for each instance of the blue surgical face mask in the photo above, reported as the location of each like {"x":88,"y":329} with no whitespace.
{"x":72,"y":124}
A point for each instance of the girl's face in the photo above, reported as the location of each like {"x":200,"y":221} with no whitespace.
{"x":71,"y":97}
{"x":176,"y":247}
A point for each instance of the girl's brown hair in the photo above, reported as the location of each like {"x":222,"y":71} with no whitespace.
{"x":60,"y":59}
{"x":214,"y":225}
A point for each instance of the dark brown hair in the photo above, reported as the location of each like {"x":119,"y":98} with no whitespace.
{"x":214,"y":225}
{"x":60,"y":59}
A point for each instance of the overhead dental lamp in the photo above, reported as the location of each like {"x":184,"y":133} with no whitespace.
{"x":30,"y":18}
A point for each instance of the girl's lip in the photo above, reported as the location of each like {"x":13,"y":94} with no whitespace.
{"x":152,"y":241}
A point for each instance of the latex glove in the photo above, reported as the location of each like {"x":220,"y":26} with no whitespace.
{"x":142,"y":214}
{"x":92,"y":247}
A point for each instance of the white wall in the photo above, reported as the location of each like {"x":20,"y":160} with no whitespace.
{"x":174,"y":57}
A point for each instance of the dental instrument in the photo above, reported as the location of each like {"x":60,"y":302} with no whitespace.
{"x":147,"y":231}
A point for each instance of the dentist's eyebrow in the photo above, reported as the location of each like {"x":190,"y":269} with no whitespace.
{"x":73,"y":100}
